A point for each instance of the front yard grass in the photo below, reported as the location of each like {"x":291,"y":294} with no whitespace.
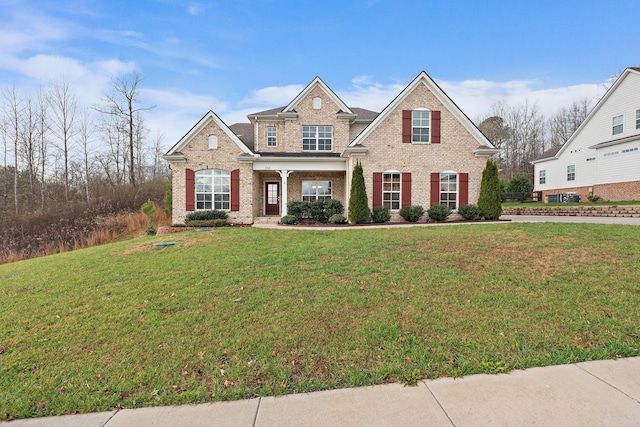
{"x":243,"y":312}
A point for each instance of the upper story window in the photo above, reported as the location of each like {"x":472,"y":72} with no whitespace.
{"x":316,"y":190}
{"x":571,"y":173}
{"x":213,"y":189}
{"x":420,"y":125}
{"x":449,"y":189}
{"x":637,"y":119}
{"x":272,"y":136}
{"x":317,"y":138}
{"x":542,"y":177}
{"x":391,"y":190}
{"x":618,"y":124}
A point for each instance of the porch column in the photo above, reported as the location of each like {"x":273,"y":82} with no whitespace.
{"x":284,"y":175}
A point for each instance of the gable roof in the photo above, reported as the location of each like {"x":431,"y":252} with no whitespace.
{"x":423,"y":78}
{"x":317,"y":82}
{"x":551,"y":156}
{"x":202,"y":123}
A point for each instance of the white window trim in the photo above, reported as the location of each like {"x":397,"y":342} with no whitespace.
{"x":316,"y":138}
{"x":317,"y":187}
{"x":212,"y":174}
{"x":571,"y":172}
{"x":542,"y":176}
{"x":617,"y":122}
{"x":399,"y":191}
{"x":457,"y":192}
{"x":637,"y":119}
{"x":272,"y":137}
{"x":421,"y":110}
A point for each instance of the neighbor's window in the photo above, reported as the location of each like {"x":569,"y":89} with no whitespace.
{"x":637,"y":119}
{"x":618,"y":124}
{"x":316,"y":190}
{"x":420,"y":125}
{"x":391,"y":190}
{"x":542,"y":177}
{"x":272,"y":136}
{"x":449,"y":189}
{"x":317,"y":138}
{"x":571,"y":173}
{"x":213,"y":189}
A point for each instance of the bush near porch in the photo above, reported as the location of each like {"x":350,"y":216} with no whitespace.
{"x":316,"y":210}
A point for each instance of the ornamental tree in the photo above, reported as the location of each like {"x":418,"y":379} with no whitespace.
{"x":358,"y":203}
{"x":489,"y":201}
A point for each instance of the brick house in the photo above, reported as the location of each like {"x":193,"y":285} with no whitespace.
{"x":602,"y":157}
{"x":420,"y":150}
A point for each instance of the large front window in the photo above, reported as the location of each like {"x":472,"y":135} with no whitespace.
{"x":420,"y":125}
{"x":391,"y":190}
{"x":449,"y":189}
{"x":316,"y":190}
{"x":317,"y":138}
{"x":213,"y":189}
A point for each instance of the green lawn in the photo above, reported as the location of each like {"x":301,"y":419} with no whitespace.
{"x":241,"y":312}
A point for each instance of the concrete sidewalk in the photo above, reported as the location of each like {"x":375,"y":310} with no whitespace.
{"x":600,"y":393}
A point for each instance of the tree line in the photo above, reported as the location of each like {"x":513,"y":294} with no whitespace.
{"x":56,"y":150}
{"x":523,"y":133}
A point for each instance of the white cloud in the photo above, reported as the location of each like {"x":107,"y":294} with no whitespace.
{"x":273,"y":96}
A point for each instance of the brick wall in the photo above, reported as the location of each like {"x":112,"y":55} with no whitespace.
{"x":198,"y":157}
{"x":608,"y":192}
{"x":455,"y":152}
{"x":616,"y":211}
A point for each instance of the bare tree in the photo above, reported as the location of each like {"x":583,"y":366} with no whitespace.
{"x":64,"y":108}
{"x":13,"y":111}
{"x":565,"y":122}
{"x":85,"y":132}
{"x":28,"y":145}
{"x":123,"y":103}
{"x":522,"y":132}
{"x":43,"y":135}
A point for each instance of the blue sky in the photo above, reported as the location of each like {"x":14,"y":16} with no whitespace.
{"x":238,"y":57}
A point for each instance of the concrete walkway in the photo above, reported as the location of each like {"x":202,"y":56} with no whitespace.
{"x":600,"y":393}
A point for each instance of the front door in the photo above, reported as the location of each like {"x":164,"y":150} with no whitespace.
{"x":272,"y":198}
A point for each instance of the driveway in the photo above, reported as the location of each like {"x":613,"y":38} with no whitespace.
{"x":580,"y":219}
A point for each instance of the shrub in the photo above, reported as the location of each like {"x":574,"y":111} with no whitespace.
{"x":380,"y":214}
{"x":219,"y":222}
{"x":148,"y":209}
{"x":358,"y":203}
{"x":333,"y":207}
{"x":316,"y":210}
{"x":206,"y":215}
{"x":168,"y":202}
{"x":297,"y":208}
{"x":519,"y":184}
{"x":289,"y":219}
{"x":490,"y":202}
{"x":469,"y":212}
{"x":439,"y":212}
{"x":337,"y":219}
{"x":593,"y":198}
{"x":412,"y":213}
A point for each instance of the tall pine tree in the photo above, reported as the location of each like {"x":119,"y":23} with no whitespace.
{"x":489,"y":201}
{"x":358,"y":203}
